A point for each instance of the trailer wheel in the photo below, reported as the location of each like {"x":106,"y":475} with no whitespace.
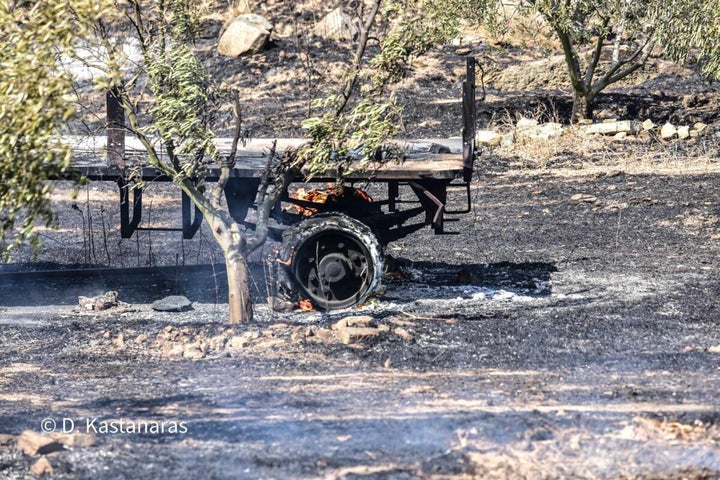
{"x":335,"y":260}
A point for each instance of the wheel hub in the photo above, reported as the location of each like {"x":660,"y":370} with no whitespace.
{"x":333,"y":268}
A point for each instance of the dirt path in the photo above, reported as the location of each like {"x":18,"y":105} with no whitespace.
{"x":558,"y":336}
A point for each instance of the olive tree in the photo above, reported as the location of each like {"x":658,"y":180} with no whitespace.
{"x":695,"y":39}
{"x":603,"y":42}
{"x":34,"y":106}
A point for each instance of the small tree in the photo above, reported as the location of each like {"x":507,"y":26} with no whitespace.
{"x":620,"y":36}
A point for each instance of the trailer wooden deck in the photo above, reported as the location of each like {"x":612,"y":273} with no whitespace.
{"x":439,"y":159}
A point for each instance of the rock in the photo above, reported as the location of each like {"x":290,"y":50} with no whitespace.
{"x":584,"y":198}
{"x":648,"y":125}
{"x":354,"y":321}
{"x":119,"y":341}
{"x":508,"y":140}
{"x":436,"y":148}
{"x":247,"y":34}
{"x":75,"y":440}
{"x":526,"y":123}
{"x":683,"y":132}
{"x":173,"y":303}
{"x":32,"y":443}
{"x":620,"y":136}
{"x":487,"y":138}
{"x":238,"y":342}
{"x":173,"y":350}
{"x":463,"y":51}
{"x":101,"y":302}
{"x":140,"y":339}
{"x":668,"y":131}
{"x":404,"y":334}
{"x":350,"y":335}
{"x":193,"y":352}
{"x":337,"y":25}
{"x":700,"y":127}
{"x":41,"y":467}
{"x":545,"y":131}
{"x":714,"y":349}
{"x":611,"y":128}
{"x":280,"y":305}
{"x":324,"y":335}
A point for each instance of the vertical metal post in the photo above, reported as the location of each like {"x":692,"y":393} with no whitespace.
{"x":115,"y":129}
{"x":469,"y":117}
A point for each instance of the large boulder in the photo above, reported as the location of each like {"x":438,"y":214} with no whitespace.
{"x":247,"y":34}
{"x":337,"y":25}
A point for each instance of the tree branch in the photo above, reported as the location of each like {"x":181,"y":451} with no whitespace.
{"x":359,"y":53}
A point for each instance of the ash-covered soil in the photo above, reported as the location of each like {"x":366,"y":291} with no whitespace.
{"x":568,"y":330}
{"x":555,"y":336}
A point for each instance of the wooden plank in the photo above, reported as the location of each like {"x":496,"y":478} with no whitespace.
{"x":89,"y":153}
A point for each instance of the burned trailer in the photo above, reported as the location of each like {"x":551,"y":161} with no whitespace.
{"x":330,"y":242}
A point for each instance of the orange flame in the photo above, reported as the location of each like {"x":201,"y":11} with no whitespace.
{"x":306,"y":305}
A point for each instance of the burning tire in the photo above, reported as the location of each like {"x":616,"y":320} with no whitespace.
{"x":333,"y":260}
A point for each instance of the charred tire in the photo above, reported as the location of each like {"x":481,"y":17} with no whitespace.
{"x":335,"y":260}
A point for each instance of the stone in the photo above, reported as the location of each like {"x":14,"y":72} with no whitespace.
{"x":41,"y":467}
{"x":487,"y":138}
{"x":508,"y":140}
{"x":668,"y":131}
{"x":584,"y":198}
{"x":102,"y":302}
{"x":683,"y":132}
{"x":173,"y":303}
{"x":404,"y":334}
{"x":436,"y":148}
{"x":353,"y":321}
{"x":714,"y":349}
{"x":237,"y":342}
{"x":32,"y":443}
{"x":611,"y":128}
{"x":247,"y":34}
{"x":526,"y":123}
{"x":700,"y":127}
{"x":337,"y":25}
{"x":620,"y":136}
{"x":545,"y":131}
{"x":324,"y":335}
{"x":75,"y":440}
{"x":350,"y":335}
{"x":648,"y":125}
{"x":280,"y":305}
{"x":119,"y":341}
{"x":193,"y":352}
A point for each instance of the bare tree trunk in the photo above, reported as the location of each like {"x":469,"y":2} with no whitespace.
{"x":238,"y":274}
{"x":583,"y":106}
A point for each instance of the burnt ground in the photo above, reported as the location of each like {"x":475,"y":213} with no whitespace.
{"x":550,"y":338}
{"x":554,"y":336}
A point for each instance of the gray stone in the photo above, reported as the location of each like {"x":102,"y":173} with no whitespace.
{"x":337,"y":25}
{"x":487,"y":138}
{"x":246,"y":35}
{"x":683,"y":132}
{"x":668,"y":131}
{"x":173,"y":303}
